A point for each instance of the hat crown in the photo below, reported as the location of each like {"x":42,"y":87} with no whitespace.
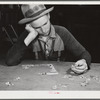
{"x":32,"y":10}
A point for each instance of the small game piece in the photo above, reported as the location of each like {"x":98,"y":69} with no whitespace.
{"x":18,"y":78}
{"x":59,"y":84}
{"x":96,"y":78}
{"x":98,"y":81}
{"x":40,"y":73}
{"x":65,"y":76}
{"x":70,"y":76}
{"x":9,"y":83}
{"x":52,"y":73}
{"x":88,"y":79}
{"x":64,"y":85}
{"x":91,"y":76}
{"x":84,"y":83}
{"x":50,"y":65}
{"x":53,"y":70}
{"x":25,"y":67}
{"x":82,"y":76}
{"x":48,"y":73}
{"x":54,"y":87}
{"x":44,"y":73}
{"x":72,"y":72}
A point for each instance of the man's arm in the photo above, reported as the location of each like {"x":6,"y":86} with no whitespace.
{"x":17,"y":51}
{"x":72,"y":45}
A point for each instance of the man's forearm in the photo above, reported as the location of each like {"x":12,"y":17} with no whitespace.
{"x":85,"y":55}
{"x":31,"y":36}
{"x":15,"y":54}
{"x":17,"y":51}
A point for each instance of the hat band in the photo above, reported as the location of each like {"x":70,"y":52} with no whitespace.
{"x":28,"y":15}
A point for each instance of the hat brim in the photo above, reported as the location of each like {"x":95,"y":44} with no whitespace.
{"x":26,"y":20}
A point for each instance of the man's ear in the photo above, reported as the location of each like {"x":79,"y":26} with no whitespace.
{"x":48,"y":15}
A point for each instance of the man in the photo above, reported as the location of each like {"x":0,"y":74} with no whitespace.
{"x":48,"y":42}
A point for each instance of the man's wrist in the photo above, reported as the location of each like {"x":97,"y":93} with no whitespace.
{"x":28,"y":39}
{"x":26,"y":42}
{"x":83,"y":60}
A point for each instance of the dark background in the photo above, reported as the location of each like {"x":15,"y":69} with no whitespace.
{"x":83,"y":21}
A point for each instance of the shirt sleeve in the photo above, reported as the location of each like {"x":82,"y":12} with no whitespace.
{"x":17,"y":51}
{"x":73,"y":46}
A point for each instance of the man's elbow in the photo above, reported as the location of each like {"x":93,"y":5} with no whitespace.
{"x":10,"y":62}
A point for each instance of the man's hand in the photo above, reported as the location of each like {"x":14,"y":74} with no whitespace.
{"x":31,"y":36}
{"x":80,"y":66}
{"x":29,"y":28}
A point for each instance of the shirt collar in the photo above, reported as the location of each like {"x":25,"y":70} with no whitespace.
{"x":51,"y":35}
{"x":52,"y":32}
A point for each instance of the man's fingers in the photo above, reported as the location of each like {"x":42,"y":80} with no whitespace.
{"x":29,"y":28}
{"x":75,"y":68}
{"x":78,"y":70}
{"x":81,"y":67}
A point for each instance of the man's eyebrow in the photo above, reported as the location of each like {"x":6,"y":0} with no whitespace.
{"x":42,"y":25}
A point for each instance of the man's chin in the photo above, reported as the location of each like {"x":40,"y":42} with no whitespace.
{"x":44,"y":34}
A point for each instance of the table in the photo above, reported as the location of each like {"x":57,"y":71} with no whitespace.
{"x":17,"y":78}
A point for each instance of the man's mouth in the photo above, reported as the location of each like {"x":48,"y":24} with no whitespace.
{"x":45,"y":33}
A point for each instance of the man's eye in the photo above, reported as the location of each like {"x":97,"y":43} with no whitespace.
{"x":37,"y":27}
{"x":41,"y":26}
{"x":45,"y":23}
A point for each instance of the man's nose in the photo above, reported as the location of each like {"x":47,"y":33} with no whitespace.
{"x":42,"y":28}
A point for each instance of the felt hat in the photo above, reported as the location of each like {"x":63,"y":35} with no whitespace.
{"x":32,"y":12}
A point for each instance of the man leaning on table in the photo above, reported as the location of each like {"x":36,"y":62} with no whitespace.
{"x":48,"y":42}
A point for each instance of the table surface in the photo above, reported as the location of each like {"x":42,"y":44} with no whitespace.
{"x":29,"y":78}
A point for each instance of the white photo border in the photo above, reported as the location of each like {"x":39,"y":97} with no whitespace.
{"x":51,"y":94}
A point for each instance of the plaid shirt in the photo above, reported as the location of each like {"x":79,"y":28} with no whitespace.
{"x":46,"y":44}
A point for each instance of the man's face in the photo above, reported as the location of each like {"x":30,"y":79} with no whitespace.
{"x":42,"y":25}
